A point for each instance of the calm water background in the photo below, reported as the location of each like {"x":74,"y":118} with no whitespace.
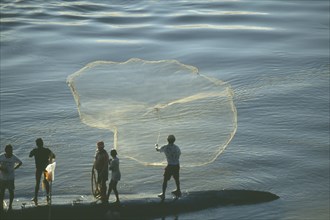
{"x":274,"y":54}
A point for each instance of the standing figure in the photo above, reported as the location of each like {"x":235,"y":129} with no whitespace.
{"x":101,"y":164}
{"x":8,"y":163}
{"x":172,"y":153}
{"x":115,"y":174}
{"x":42,"y":156}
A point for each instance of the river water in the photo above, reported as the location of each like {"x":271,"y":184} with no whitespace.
{"x":272,"y":55}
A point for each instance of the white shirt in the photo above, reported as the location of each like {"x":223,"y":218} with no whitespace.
{"x":172,"y":153}
{"x":8,"y":164}
{"x":114,"y":167}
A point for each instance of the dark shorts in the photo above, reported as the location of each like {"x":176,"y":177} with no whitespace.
{"x":172,"y":170}
{"x":7,"y":184}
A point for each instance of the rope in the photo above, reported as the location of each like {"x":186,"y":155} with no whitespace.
{"x":95,"y":186}
{"x":159,"y":129}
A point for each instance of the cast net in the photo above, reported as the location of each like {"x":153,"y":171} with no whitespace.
{"x":142,"y":102}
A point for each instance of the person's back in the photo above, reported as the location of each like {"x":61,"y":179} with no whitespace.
{"x":101,"y":160}
{"x":172,"y":153}
{"x":114,"y":167}
{"x":41,"y":157}
{"x":115,"y":175}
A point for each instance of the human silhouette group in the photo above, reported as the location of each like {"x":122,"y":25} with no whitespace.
{"x":43,"y":156}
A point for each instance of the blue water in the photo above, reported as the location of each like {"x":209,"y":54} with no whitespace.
{"x":273,"y":54}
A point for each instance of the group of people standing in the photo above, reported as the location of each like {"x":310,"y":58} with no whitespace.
{"x":9,"y":162}
{"x":103,"y":164}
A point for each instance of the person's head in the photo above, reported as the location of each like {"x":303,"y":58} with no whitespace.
{"x":171,"y":139}
{"x":100,"y":145}
{"x":39,"y":142}
{"x":113,"y":153}
{"x":9,"y":150}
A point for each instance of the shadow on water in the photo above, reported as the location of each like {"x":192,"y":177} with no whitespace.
{"x":146,"y":208}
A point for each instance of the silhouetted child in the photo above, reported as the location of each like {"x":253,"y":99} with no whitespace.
{"x":115,"y":174}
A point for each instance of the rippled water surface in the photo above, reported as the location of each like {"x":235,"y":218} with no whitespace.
{"x":274,"y":56}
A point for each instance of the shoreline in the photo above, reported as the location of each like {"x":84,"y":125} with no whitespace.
{"x":144,"y":208}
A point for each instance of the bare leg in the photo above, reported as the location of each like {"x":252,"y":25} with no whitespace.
{"x":177,"y":192}
{"x":116,"y":191}
{"x":2,"y":196}
{"x":36,"y":189}
{"x":177,"y":183}
{"x":109,"y":190}
{"x":113,"y":186}
{"x":164,"y":186}
{"x":46,"y":184}
{"x":11,"y":198}
{"x":162,"y":195}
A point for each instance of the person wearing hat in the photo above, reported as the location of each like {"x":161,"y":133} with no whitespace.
{"x":101,"y":164}
{"x":115,"y":174}
{"x":172,"y":153}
